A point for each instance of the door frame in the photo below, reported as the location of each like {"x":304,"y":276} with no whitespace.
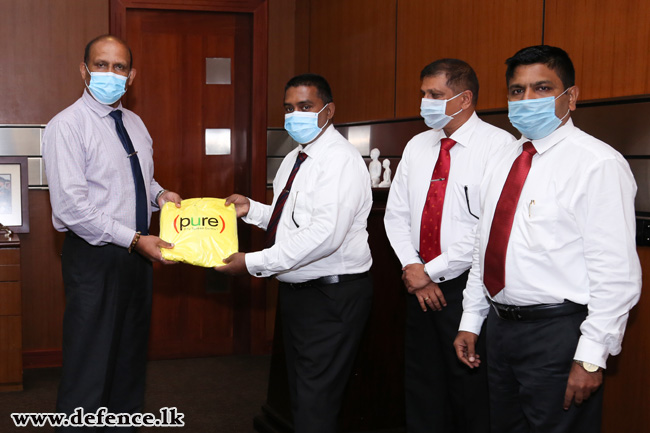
{"x":249,"y":309}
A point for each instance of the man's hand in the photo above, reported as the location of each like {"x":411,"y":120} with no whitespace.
{"x":432,"y":296}
{"x":149,"y":247}
{"x":464,"y":345}
{"x":235,"y":265}
{"x":242,"y":204}
{"x":414,"y":277}
{"x":581,"y":385}
{"x":169,"y":196}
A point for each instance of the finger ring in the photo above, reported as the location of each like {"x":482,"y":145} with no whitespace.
{"x":426,"y":299}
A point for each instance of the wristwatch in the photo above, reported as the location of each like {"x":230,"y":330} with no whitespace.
{"x":588,"y":366}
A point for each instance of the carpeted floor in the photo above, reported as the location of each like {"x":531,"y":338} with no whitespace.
{"x":216,"y":395}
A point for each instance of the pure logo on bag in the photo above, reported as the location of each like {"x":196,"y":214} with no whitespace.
{"x":199,"y":224}
{"x":203,"y":231}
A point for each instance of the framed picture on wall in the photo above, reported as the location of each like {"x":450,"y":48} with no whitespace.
{"x":14,"y":209}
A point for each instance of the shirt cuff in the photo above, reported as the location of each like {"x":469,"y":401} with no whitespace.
{"x":123,"y":236}
{"x":255,"y":264}
{"x":437,"y":268}
{"x":471,"y":323}
{"x":254,"y":215}
{"x":592,"y":352}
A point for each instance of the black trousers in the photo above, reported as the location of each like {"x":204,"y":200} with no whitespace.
{"x":322,"y":327}
{"x":105,"y":329}
{"x":528,"y":372}
{"x":441,"y":393}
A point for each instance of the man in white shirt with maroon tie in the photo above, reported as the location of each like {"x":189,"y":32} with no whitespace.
{"x":317,"y":247}
{"x":431,"y":215}
{"x":555,"y":267}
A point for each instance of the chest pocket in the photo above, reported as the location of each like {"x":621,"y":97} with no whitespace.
{"x":298,"y":209}
{"x":540,"y":225}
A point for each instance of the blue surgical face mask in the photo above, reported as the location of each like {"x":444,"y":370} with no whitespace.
{"x":106,"y":87}
{"x":433,"y":111}
{"x":535,"y":118}
{"x":303,"y":126}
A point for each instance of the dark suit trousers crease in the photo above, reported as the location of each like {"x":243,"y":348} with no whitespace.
{"x":322,"y":327}
{"x":442,"y":394}
{"x":105,"y":329}
{"x":528,"y":372}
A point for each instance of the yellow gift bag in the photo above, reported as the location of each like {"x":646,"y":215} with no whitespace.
{"x":203,"y":230}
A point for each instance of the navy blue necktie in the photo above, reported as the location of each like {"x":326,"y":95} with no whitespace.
{"x":141,"y":211}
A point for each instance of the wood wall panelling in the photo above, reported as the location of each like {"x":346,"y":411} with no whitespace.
{"x":484,"y":34}
{"x":42,"y":282}
{"x":42,"y":45}
{"x":352,"y":44}
{"x":627,"y":383}
{"x":11,"y":367}
{"x":609,"y":44}
{"x":11,"y":359}
{"x":288,"y":51}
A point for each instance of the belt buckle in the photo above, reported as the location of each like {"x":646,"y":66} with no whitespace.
{"x":295,"y":286}
{"x":509,"y":312}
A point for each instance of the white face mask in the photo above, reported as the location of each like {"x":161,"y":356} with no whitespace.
{"x":433,"y":111}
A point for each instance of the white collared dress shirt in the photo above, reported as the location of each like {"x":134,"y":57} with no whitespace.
{"x":322,"y":230}
{"x":573,"y":238}
{"x":476,"y":143}
{"x":89,"y":174}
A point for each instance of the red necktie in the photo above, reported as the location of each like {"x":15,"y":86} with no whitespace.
{"x":495,"y":255}
{"x":272,"y":227}
{"x":432,"y":212}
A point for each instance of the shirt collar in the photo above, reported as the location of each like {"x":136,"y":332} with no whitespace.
{"x":544,"y":144}
{"x":319,"y":145}
{"x":96,"y":106}
{"x":463,"y":134}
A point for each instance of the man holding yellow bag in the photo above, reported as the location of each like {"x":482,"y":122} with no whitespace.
{"x":317,"y":247}
{"x":99,"y":161}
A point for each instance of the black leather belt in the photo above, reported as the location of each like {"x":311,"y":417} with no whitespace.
{"x":536,"y":312}
{"x":73,"y":234}
{"x":330,"y":279}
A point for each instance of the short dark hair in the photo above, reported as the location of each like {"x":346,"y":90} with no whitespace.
{"x":315,"y":80}
{"x":554,"y":58}
{"x":460,"y":75}
{"x":100,"y":38}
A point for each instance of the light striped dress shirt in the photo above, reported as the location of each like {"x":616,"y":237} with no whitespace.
{"x":89,"y":175}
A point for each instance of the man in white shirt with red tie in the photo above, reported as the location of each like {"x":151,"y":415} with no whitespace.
{"x":317,"y":247}
{"x":431,"y":215}
{"x":555,"y":267}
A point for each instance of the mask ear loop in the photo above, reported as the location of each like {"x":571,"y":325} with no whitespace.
{"x":327,"y":121}
{"x":567,"y":89}
{"x":565,"y":116}
{"x":90,"y":77}
{"x":567,"y":111}
{"x":452,"y":115}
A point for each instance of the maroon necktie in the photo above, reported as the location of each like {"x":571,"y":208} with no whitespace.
{"x":432,"y":212}
{"x":494,"y":276}
{"x":272,"y":227}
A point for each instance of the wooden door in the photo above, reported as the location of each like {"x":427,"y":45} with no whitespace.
{"x":196,"y":311}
